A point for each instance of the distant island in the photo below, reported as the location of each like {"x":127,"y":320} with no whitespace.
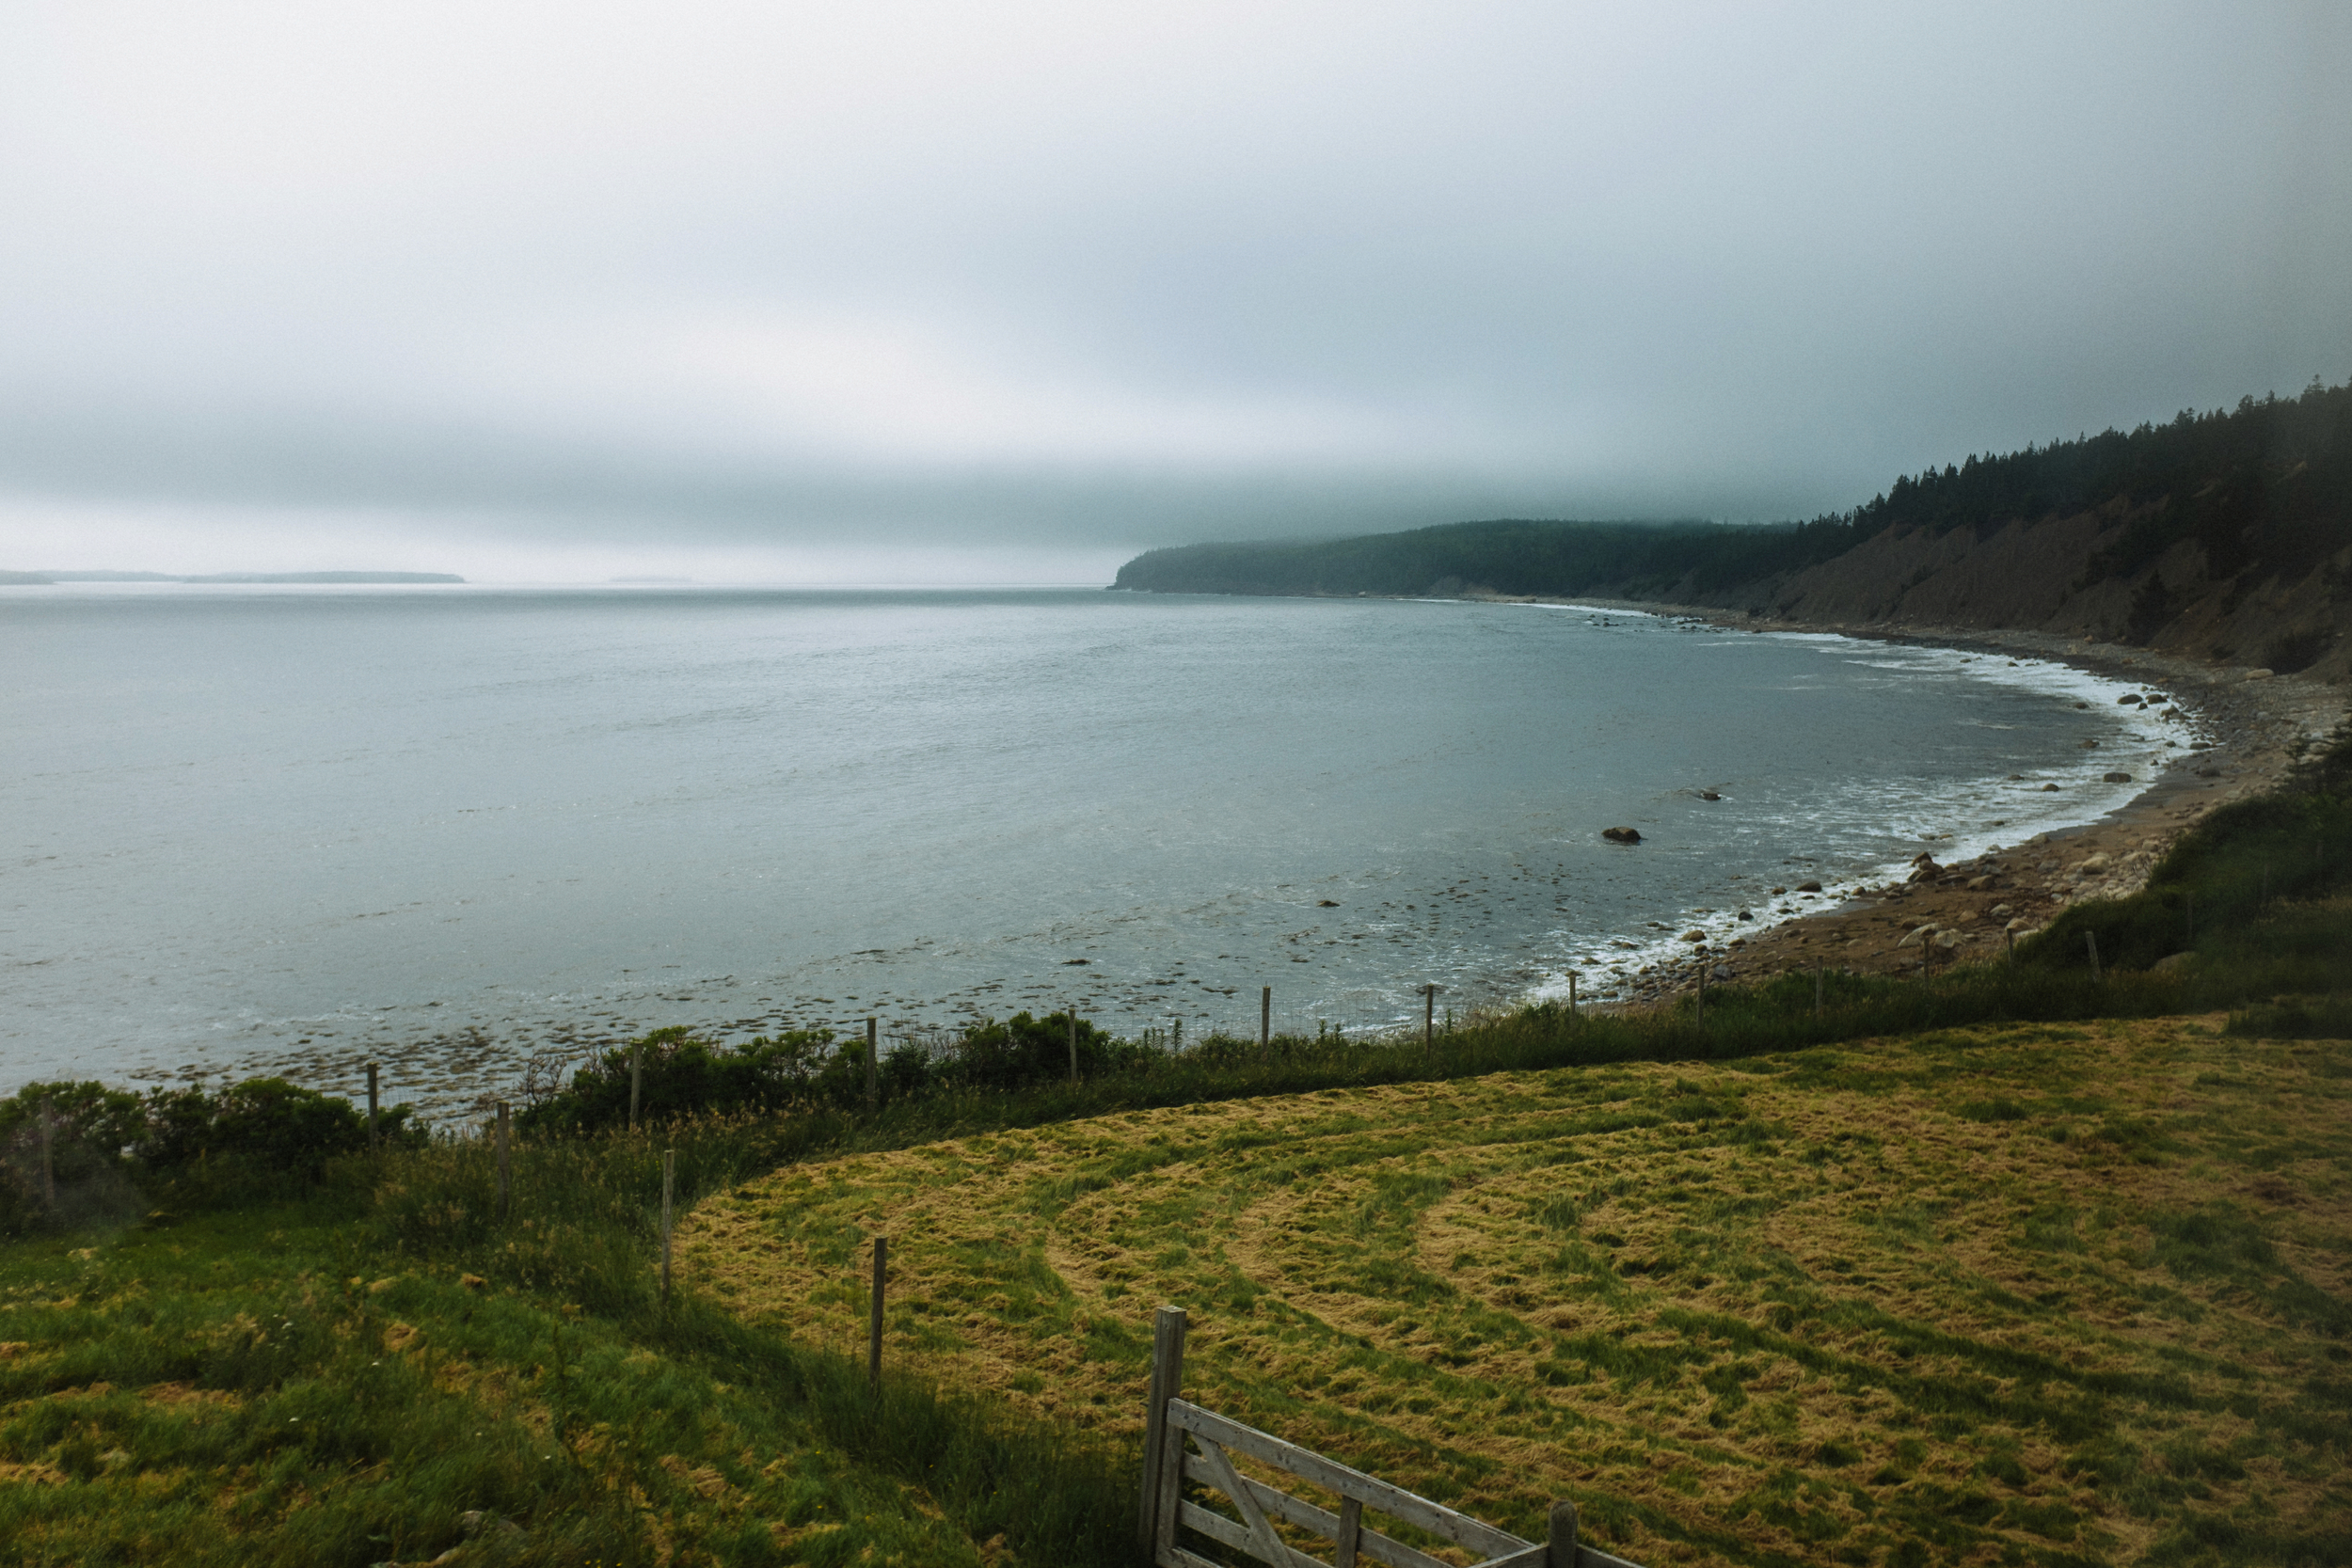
{"x":2225,"y":535}
{"x":33,"y":579}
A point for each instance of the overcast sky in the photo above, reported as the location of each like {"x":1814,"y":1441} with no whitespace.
{"x":1016,"y":289}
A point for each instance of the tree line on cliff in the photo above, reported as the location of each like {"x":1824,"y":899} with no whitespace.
{"x":2264,"y":488}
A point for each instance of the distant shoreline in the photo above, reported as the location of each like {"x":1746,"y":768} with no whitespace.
{"x":46,"y":579}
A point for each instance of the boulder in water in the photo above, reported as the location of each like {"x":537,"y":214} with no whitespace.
{"x":1621,"y":835}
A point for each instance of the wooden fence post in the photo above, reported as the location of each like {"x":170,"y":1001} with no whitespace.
{"x":873,"y":1065}
{"x":1560,"y":1550}
{"x":371,"y":1133}
{"x":636,"y":1079}
{"x":506,"y":1170}
{"x":2090,"y":939}
{"x":1429,"y":1017}
{"x":874,"y":1324}
{"x":1265,"y":1018}
{"x":669,"y":1186}
{"x":1699,"y":1007}
{"x":1163,"y":1454}
{"x":1074,"y":1045}
{"x":1571,"y":993}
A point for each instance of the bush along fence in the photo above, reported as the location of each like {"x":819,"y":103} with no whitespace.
{"x":83,"y":1153}
{"x":1186,"y":1447}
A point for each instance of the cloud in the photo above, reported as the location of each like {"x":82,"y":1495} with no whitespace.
{"x":720,"y":274}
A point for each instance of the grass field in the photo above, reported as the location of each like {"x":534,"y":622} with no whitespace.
{"x":2037,"y":1293}
{"x":254,"y":1388}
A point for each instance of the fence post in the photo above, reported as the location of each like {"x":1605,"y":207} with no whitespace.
{"x":1265,"y":1018}
{"x":636,"y":1078}
{"x":1571,"y":993}
{"x":1074,"y":1045}
{"x":371,"y":1133}
{"x":1429,"y":1017}
{"x":1162,"y":1457}
{"x":874,"y":1325}
{"x":48,"y":1169}
{"x":873,"y":1065}
{"x":2010,"y":937}
{"x":1560,"y":1550}
{"x":1351,"y":1537}
{"x":1699,"y":1007}
{"x":669,"y":1186}
{"x":506,"y":1170}
{"x":2090,"y":940}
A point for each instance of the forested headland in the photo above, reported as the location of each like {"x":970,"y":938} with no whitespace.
{"x":2227,"y":533}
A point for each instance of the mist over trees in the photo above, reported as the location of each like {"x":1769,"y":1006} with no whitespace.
{"x":2265,"y":487}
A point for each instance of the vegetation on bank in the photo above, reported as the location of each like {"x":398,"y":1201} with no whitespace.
{"x":2246,"y":907}
{"x":2264,"y":489}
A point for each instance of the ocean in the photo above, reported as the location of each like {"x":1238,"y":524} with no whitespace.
{"x":265,"y":828}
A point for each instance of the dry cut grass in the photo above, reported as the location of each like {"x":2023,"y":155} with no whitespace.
{"x":2016,"y":1294}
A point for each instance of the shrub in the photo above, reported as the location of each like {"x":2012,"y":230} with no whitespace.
{"x":110,"y":1150}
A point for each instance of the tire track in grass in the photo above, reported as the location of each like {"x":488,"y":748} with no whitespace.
{"x":2000,"y":1293}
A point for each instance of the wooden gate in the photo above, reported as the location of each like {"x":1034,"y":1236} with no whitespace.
{"x":1183,"y":1443}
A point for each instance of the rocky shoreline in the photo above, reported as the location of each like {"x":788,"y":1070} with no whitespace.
{"x":1967,"y":910}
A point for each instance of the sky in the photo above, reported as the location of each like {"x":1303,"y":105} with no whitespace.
{"x":907,"y":291}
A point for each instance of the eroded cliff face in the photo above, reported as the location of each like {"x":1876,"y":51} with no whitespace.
{"x":2030,"y":577}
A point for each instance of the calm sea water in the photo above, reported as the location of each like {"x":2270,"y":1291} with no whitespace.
{"x":251,"y":828}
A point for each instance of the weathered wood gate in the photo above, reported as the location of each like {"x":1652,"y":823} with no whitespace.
{"x":1182,"y":1443}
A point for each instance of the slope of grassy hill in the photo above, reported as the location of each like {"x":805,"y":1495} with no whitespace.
{"x":2026,"y":1294}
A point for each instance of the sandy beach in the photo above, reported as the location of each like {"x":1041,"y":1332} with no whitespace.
{"x":2258,"y":724}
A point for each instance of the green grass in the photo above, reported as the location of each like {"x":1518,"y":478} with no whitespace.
{"x":343,"y":1377}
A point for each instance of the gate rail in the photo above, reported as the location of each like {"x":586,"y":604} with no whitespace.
{"x":1183,"y":1443}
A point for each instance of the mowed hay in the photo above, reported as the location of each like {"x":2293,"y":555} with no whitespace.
{"x":2003,"y":1295}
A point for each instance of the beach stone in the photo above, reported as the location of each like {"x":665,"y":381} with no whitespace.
{"x":1621,"y":835}
{"x":2118,"y":777}
{"x":1947,"y":939}
{"x":2000,"y":911}
{"x":2050,"y":789}
{"x":1808,"y":887}
{"x":1708,"y":795}
{"x":1694,"y":936}
{"x":2090,"y":745}
{"x":1720,"y":972}
{"x":1922,"y":934}
{"x":2171,"y":961}
{"x":1745,"y":915}
{"x":1979,"y":884}
{"x":2131,"y":700}
{"x":2092,"y":866}
{"x":2258,"y":675}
